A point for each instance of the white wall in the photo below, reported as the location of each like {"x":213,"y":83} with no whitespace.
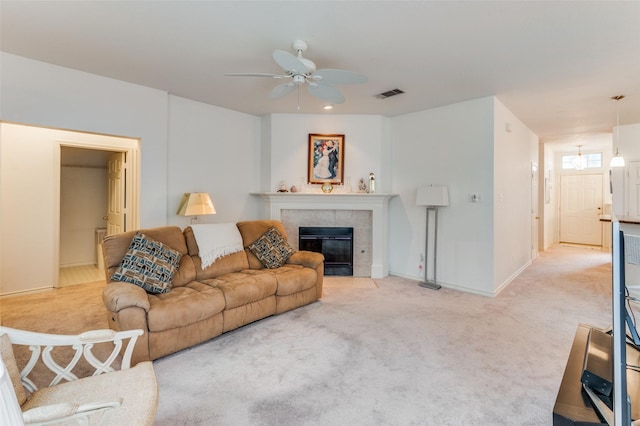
{"x":41,"y":94}
{"x":214,"y":150}
{"x":30,"y":180}
{"x":549,"y":205}
{"x":366,"y":147}
{"x":481,"y":245}
{"x":451,"y":145}
{"x":83,"y":204}
{"x":515,"y":149}
{"x":629,"y":144}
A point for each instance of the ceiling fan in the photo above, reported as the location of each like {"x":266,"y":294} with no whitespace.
{"x":301,"y":71}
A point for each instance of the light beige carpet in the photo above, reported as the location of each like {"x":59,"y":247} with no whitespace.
{"x":396,"y":354}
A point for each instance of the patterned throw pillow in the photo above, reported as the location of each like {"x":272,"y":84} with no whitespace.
{"x":148,"y":264}
{"x":271,"y":249}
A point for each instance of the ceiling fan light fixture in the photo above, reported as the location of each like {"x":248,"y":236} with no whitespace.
{"x":579,"y":163}
{"x":302,"y":72}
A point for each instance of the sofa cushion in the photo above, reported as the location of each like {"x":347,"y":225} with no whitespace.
{"x":243,"y":288}
{"x":293,"y":279}
{"x":136,"y":386}
{"x":251,"y":230}
{"x":184,"y":306}
{"x":115,"y":247}
{"x":231,"y":263}
{"x":149,"y":264}
{"x":272,"y":249}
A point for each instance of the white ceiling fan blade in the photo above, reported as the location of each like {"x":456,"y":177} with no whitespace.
{"x":289,"y":63}
{"x":328,"y":93}
{"x":256,"y":74}
{"x":330,"y":76}
{"x":282,"y":90}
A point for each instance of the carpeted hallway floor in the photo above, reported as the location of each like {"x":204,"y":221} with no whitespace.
{"x":390,"y":354}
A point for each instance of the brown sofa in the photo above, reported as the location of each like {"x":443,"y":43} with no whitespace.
{"x":234,"y":291}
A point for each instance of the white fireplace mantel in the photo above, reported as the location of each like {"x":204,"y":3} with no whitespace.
{"x":378,"y":204}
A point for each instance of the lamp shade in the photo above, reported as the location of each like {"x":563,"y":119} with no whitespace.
{"x":433,"y":195}
{"x":617,"y":160}
{"x":195,"y":204}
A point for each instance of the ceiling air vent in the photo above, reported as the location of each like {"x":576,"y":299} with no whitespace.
{"x":389,"y":93}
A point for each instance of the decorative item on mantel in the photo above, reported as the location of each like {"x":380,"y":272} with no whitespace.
{"x":327,"y":187}
{"x":283,"y":187}
{"x":362,"y":187}
{"x":325,"y":162}
{"x":372,"y":183}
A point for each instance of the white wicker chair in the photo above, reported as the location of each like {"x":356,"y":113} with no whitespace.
{"x":108,"y":396}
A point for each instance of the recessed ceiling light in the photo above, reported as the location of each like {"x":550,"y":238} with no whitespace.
{"x":327,"y":107}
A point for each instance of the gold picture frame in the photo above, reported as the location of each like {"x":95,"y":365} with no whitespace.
{"x":325,"y":162}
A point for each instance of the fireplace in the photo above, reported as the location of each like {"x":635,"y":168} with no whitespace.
{"x":335,"y":243}
{"x":366,"y":213}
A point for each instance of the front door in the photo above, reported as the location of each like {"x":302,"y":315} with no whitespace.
{"x":580,"y":209}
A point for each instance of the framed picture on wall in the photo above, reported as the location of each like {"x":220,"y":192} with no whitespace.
{"x":325,"y":162}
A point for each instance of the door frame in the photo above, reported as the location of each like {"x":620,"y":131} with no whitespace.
{"x":131,"y":147}
{"x":535,"y":209}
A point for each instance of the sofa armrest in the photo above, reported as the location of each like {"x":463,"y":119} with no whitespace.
{"x":118,"y":296}
{"x":310,"y":259}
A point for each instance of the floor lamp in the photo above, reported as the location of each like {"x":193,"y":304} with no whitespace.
{"x":432,"y":196}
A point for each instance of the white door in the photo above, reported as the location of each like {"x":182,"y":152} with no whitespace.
{"x":580,"y":209}
{"x":535,"y":218}
{"x":117,"y":180}
{"x":633,"y":170}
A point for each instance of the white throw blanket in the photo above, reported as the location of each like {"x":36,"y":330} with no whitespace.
{"x":217,"y":240}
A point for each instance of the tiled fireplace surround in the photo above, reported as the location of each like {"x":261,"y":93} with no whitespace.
{"x":366,"y":213}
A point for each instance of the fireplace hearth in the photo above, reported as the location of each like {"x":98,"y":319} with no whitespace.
{"x":335,"y":243}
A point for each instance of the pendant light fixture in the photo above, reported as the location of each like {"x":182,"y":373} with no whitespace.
{"x":580,"y":162}
{"x":617,"y":160}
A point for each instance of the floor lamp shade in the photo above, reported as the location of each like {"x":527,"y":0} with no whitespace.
{"x":432,"y":196}
{"x":195,"y":204}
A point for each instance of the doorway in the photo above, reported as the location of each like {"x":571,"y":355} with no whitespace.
{"x":96,"y":197}
{"x":580,"y":208}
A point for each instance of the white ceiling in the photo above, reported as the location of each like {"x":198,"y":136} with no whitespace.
{"x":555,"y":65}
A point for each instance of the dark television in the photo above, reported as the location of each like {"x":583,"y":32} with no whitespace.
{"x":625,"y":342}
{"x":601,"y":382}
